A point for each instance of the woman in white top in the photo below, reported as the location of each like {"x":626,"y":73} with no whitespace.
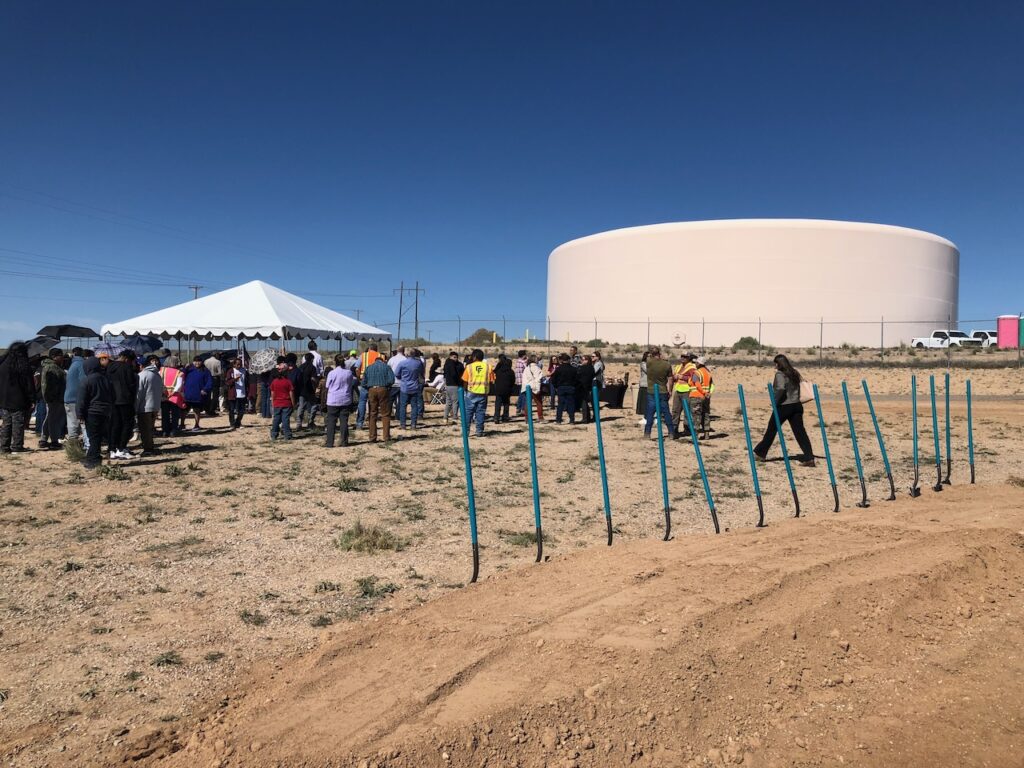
{"x":532,"y":375}
{"x":598,"y":370}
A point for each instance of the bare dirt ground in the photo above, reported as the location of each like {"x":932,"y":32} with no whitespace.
{"x":197,"y":609}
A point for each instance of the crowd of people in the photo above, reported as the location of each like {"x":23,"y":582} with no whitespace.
{"x":98,"y":399}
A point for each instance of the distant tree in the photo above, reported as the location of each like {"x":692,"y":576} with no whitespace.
{"x":481,"y":337}
{"x":746,"y":343}
{"x":596,"y":344}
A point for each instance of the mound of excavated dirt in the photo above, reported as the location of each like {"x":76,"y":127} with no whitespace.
{"x":887,"y":636}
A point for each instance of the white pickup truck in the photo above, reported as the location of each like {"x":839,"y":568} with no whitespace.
{"x":987,"y":338}
{"x":944,"y":339}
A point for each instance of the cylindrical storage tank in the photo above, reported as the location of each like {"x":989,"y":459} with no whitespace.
{"x":788,"y":282}
{"x":1008,"y":331}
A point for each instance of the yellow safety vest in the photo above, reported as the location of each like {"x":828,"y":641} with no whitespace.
{"x":478,"y":378}
{"x":682,"y":386}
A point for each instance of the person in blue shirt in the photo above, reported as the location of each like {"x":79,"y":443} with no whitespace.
{"x":198,"y":386}
{"x":76,"y":375}
{"x":409,"y":373}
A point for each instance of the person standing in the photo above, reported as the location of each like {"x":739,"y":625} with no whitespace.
{"x":198,"y":383}
{"x":235,"y":384}
{"x":318,"y":360}
{"x":410,"y":381}
{"x":52,"y":385}
{"x":787,"y":400}
{"x":702,"y":384}
{"x":147,"y":403}
{"x":532,"y":376}
{"x":282,"y":396}
{"x":365,"y":361}
{"x":504,"y":388}
{"x":72,"y":381}
{"x":563,"y":383}
{"x":641,"y":393}
{"x":171,"y":416}
{"x":352,"y":363}
{"x":340,"y":385}
{"x":552,"y":365}
{"x":681,"y":388}
{"x":519,"y":366}
{"x":584,"y":384}
{"x":95,"y":399}
{"x":17,"y":397}
{"x":309,"y":403}
{"x":393,"y":362}
{"x":378,"y":379}
{"x":478,"y":378}
{"x":598,"y":363}
{"x":453,"y":369}
{"x":574,"y":357}
{"x":216,"y":369}
{"x":659,"y":373}
{"x":124,"y":384}
{"x":435,"y":366}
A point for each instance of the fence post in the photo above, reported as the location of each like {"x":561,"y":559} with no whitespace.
{"x":821,"y":342}
{"x":949,"y":342}
{"x":702,"y":335}
{"x":504,"y":334}
{"x":759,"y":341}
{"x":881,"y":349}
{"x":458,"y":341}
{"x":649,"y":338}
{"x":549,"y":332}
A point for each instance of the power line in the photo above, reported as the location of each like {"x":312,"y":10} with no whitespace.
{"x":134,"y":222}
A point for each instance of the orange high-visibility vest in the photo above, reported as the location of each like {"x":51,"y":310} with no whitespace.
{"x":478,"y":377}
{"x":368,"y":358}
{"x":171,"y":377}
{"x":700,"y":383}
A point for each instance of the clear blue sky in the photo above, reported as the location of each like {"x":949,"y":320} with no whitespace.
{"x":338,"y":148}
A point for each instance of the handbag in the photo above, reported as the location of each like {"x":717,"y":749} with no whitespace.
{"x":806,"y":391}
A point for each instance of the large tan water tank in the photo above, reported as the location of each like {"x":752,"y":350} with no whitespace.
{"x":794,"y":282}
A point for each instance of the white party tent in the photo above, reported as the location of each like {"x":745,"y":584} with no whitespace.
{"x":254,"y":310}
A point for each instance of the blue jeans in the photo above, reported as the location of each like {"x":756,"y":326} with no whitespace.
{"x":476,"y":410}
{"x":566,"y":404}
{"x":266,"y":410}
{"x":312,"y":407}
{"x":364,"y":395}
{"x":405,"y":399}
{"x":666,"y":415}
{"x":281,"y":423}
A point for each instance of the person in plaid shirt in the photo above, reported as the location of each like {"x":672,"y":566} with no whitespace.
{"x":518,"y":366}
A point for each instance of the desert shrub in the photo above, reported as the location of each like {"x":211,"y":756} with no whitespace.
{"x":368,"y":539}
{"x":480,"y":337}
{"x":518,"y":538}
{"x":168,"y":659}
{"x":253,"y":618}
{"x":74,"y":451}
{"x":748,"y":343}
{"x":596,"y":344}
{"x":371,"y":588}
{"x":1016,"y":480}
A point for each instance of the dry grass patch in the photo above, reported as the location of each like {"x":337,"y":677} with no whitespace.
{"x":368,"y":539}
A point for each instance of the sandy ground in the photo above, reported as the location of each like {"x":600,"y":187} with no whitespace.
{"x":198,"y":606}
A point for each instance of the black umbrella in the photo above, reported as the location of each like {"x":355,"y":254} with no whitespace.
{"x":40,"y":345}
{"x":68,"y":332}
{"x":141,"y":345}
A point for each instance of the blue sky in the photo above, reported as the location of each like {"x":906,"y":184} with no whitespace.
{"x":338,"y":148}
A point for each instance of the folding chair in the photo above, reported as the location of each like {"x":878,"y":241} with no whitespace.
{"x":440,"y":396}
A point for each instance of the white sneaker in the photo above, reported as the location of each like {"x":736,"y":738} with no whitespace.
{"x":127,"y":454}
{"x":114,"y":455}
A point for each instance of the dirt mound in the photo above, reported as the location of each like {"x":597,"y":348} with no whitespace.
{"x":886,"y":636}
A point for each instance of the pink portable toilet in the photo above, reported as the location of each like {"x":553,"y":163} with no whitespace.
{"x":1008,"y":331}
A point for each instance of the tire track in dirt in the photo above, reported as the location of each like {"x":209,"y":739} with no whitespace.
{"x":698,"y":651}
